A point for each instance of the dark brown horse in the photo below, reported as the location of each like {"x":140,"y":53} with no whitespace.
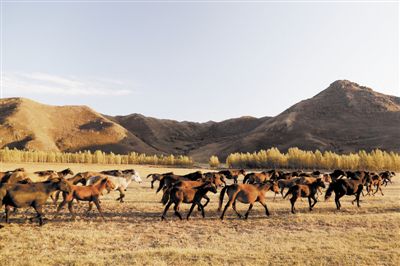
{"x":192,"y":195}
{"x":305,"y":191}
{"x":233,"y":174}
{"x":214,"y":178}
{"x":343,"y":187}
{"x":31,"y":195}
{"x":246,"y":193}
{"x":157,"y":177}
{"x":387,"y":177}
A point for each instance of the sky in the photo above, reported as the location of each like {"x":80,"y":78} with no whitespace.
{"x":194,"y":61}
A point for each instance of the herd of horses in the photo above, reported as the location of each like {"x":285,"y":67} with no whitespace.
{"x":20,"y":189}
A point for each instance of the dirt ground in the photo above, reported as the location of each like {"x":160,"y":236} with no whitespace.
{"x":134,"y":234}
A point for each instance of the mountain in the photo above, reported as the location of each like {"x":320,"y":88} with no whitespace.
{"x":344,"y":117}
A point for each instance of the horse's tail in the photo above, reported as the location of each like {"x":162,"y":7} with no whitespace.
{"x":328,"y":192}
{"x":360,"y":188}
{"x":166,"y":195}
{"x":245,"y":179}
{"x":161,"y":185}
{"x":290,"y":191}
{"x":221,"y":197}
{"x":148,"y":175}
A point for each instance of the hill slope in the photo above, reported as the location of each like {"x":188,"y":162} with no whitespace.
{"x":343,"y":118}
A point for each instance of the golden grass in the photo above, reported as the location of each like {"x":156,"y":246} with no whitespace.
{"x":134,"y":234}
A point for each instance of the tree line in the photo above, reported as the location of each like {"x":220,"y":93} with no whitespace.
{"x":88,"y":157}
{"x":295,"y":158}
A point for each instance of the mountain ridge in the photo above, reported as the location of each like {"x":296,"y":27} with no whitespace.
{"x":344,"y":117}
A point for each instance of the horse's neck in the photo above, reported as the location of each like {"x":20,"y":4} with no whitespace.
{"x":50,"y":187}
{"x":101,"y":186}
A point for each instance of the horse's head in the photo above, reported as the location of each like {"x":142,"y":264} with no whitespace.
{"x":136,"y":177}
{"x":67,"y":171}
{"x":218,"y":180}
{"x":212,"y":187}
{"x":109,"y":185}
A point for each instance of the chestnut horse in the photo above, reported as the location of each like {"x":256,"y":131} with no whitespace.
{"x":246,"y":193}
{"x":89,"y":193}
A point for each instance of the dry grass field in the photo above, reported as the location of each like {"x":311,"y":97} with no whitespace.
{"x":134,"y":234}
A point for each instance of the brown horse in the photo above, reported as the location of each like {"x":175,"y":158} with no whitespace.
{"x":73,"y":181}
{"x":233,"y":174}
{"x":305,"y":191}
{"x":167,"y":180}
{"x":246,"y":193}
{"x":214,"y":178}
{"x":253,"y":178}
{"x":192,"y":195}
{"x":16,"y":176}
{"x":31,"y":195}
{"x":86,"y":193}
{"x":6,"y":174}
{"x":375,"y":181}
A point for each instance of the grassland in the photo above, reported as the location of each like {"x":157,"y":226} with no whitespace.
{"x":134,"y":234}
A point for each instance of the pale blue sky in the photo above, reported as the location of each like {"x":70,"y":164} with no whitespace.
{"x":195,"y":61}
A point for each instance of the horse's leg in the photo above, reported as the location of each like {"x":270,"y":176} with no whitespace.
{"x":337,"y":200}
{"x":121,"y":195}
{"x":229,"y":203}
{"x":309,"y":202}
{"x":56,"y":197}
{"x":207,"y":201}
{"x":176,"y":209}
{"x":293,"y":200}
{"x":248,"y":211}
{"x":165,"y":210}
{"x":71,"y":210}
{"x":358,"y":199}
{"x":191,"y":209}
{"x":265,"y":207}
{"x":282,"y":189}
{"x":315,"y":201}
{"x":202,"y":210}
{"x":39,"y":212}
{"x":7,"y":211}
{"x":234,"y":208}
{"x":90,"y":207}
{"x":96,"y":202}
{"x":380,"y":188}
{"x":60,"y":207}
{"x":235,"y":179}
{"x":152,"y":184}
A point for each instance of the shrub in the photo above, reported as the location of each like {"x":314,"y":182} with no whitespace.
{"x":214,"y":161}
